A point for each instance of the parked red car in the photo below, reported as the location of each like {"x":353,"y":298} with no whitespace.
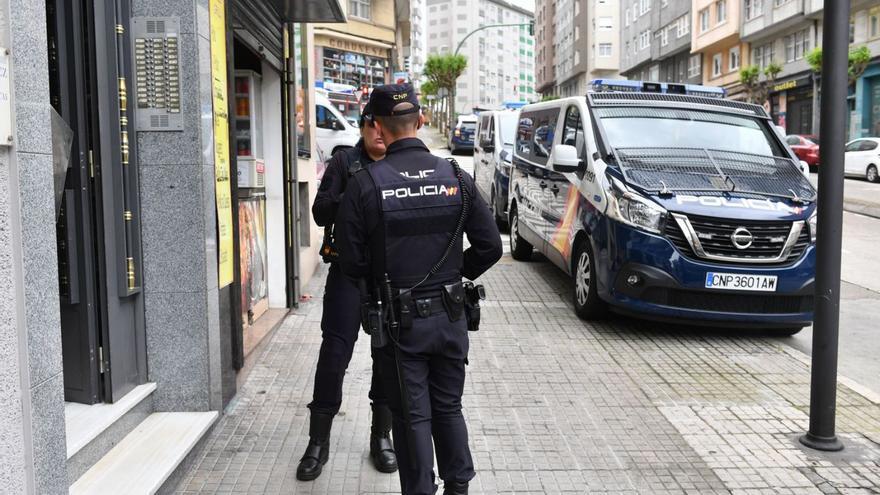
{"x":806,"y":147}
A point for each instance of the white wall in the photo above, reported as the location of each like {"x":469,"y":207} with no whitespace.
{"x":273,"y":155}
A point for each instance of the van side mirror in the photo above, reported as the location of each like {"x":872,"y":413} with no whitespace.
{"x":565,"y":159}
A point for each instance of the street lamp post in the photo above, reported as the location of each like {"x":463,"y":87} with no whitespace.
{"x":530,"y":25}
{"x":826,"y":322}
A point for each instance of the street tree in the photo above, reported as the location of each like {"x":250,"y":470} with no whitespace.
{"x":859,"y":58}
{"x":758,"y":88}
{"x":429,"y":98}
{"x":443,"y":71}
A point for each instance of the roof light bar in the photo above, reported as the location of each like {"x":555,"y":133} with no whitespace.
{"x":627,"y":86}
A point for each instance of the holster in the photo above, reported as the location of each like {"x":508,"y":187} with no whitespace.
{"x":473,"y":295}
{"x":453,"y":300}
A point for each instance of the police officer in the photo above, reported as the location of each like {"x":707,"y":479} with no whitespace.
{"x":398,"y":222}
{"x":340,"y":321}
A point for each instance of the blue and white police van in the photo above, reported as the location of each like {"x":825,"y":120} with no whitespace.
{"x":666,"y":201}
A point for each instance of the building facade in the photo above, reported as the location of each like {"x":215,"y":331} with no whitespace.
{"x":864,"y":101}
{"x":577,"y":41}
{"x":657,"y":42}
{"x":154,"y":222}
{"x":362,"y":51}
{"x":501,"y":61}
{"x":715,"y":35}
{"x":781,"y":32}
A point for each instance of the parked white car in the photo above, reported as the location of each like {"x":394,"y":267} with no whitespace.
{"x":333,"y":132}
{"x":862,"y":159}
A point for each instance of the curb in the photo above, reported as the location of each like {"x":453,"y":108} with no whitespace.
{"x":851,"y":384}
{"x":862,"y":208}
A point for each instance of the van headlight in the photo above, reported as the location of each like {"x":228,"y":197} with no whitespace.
{"x":813,"y":223}
{"x":634,"y":209}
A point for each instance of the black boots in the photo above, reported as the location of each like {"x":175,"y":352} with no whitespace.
{"x":381,"y":450}
{"x":455,"y":487}
{"x":318,"y":451}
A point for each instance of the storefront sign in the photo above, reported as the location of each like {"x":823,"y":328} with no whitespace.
{"x":351,"y":46}
{"x":791,"y":84}
{"x":222,"y":186}
{"x":5,"y":99}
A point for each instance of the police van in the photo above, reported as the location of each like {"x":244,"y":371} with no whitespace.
{"x":666,"y":201}
{"x":493,"y":152}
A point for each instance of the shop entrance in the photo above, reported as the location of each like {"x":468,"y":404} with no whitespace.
{"x":97,"y":207}
{"x":799,"y":104}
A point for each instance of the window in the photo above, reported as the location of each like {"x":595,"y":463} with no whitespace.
{"x":359,"y":8}
{"x":324,"y":119}
{"x":683,"y":26}
{"x":645,"y":39}
{"x":874,"y":23}
{"x":733,"y":58}
{"x":626,"y":49}
{"x":716,"y":65}
{"x":604,"y":49}
{"x":664,"y":37}
{"x":635,"y":11}
{"x":796,"y":45}
{"x":762,"y":56}
{"x":853,"y":146}
{"x":793,"y":140}
{"x":664,"y":3}
{"x":704,"y":20}
{"x":780,"y":3}
{"x":644,"y":6}
{"x":720,"y":11}
{"x":753,"y":9}
{"x":627,"y":17}
{"x":573,"y":131}
{"x":605,"y":24}
{"x":868,"y":145}
{"x":535,"y":135}
{"x":695,"y":65}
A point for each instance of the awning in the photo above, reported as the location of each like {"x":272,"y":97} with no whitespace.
{"x":309,"y":10}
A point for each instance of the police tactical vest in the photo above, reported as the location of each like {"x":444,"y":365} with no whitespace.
{"x":419,"y":213}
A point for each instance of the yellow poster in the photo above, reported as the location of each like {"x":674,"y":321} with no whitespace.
{"x":223,"y":188}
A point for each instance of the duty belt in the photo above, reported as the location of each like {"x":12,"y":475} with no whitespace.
{"x":428,"y":306}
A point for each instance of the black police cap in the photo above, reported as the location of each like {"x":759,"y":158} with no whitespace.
{"x":384,"y":98}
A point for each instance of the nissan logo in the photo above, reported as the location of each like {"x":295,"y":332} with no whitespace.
{"x":742,"y":238}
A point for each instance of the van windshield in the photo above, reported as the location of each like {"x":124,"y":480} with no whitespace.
{"x":668,"y":128}
{"x":507,"y":124}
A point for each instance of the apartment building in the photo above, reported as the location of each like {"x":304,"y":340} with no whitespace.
{"x":501,"y":61}
{"x":416,"y":52}
{"x":362,"y":51}
{"x":715,"y":36}
{"x":578,"y":41}
{"x":779,"y":31}
{"x":656,"y":42}
{"x":865,"y":99}
{"x":545,"y":53}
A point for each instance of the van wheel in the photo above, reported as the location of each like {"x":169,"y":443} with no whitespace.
{"x":871,"y":174}
{"x":500,"y":221}
{"x":587,"y":304}
{"x":520,"y":249}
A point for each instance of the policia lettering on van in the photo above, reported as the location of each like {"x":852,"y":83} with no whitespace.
{"x":669,"y":202}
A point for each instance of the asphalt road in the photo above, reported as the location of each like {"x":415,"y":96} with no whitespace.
{"x":860,"y":287}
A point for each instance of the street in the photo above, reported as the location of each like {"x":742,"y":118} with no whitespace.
{"x":558,"y":405}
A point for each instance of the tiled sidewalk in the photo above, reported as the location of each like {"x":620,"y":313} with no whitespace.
{"x":556,"y":405}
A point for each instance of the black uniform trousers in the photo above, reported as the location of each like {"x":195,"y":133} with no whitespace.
{"x":433,"y":355}
{"x":340,"y":325}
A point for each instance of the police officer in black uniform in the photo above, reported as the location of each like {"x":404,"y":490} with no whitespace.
{"x":400,"y":222}
{"x":340,"y":321}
